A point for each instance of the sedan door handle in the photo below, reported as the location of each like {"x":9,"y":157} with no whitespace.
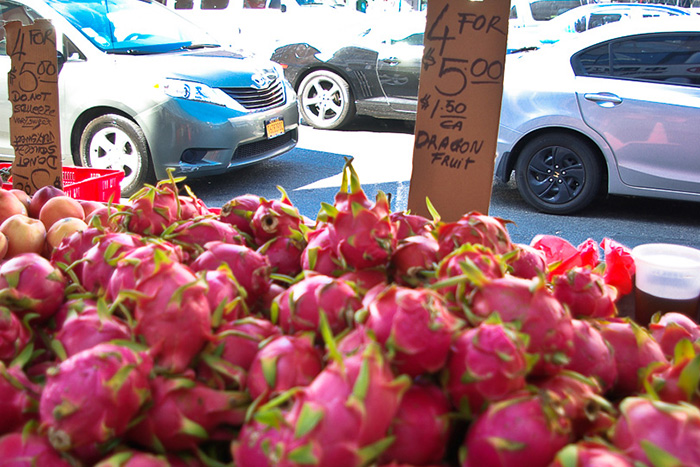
{"x":391,"y":61}
{"x":605,"y":99}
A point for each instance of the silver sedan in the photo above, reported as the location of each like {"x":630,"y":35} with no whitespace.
{"x":615,"y":109}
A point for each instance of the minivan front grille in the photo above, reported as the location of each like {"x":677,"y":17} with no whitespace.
{"x":258,"y":99}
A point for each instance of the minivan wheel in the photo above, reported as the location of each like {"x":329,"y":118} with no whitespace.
{"x":114,"y":142}
{"x":325,"y":100}
{"x":558,"y":173}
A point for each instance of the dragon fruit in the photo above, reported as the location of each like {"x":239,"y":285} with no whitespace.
{"x":238,"y":341}
{"x":19,"y":399}
{"x":421,"y":427}
{"x":284,"y":362}
{"x":670,"y":328}
{"x":73,"y":247}
{"x":523,"y":428}
{"x":153,"y":209}
{"x":275,"y":218}
{"x":108,"y":383}
{"x":634,"y":350}
{"x":264,"y":445}
{"x":100,"y":260}
{"x":679,"y":381}
{"x":239,"y":212}
{"x":413,"y":260}
{"x":193,"y":234}
{"x":530,"y":304}
{"x":414,"y":325}
{"x":167,"y":303}
{"x":299,"y":307}
{"x":132,"y":458}
{"x":658,"y":433}
{"x":452,"y":277}
{"x":14,"y":335}
{"x":184,"y":413}
{"x":29,"y":283}
{"x":250,"y":268}
{"x":284,"y":254}
{"x":29,"y":450}
{"x":591,"y":454}
{"x":85,"y":330}
{"x":593,"y":356}
{"x":409,"y":225}
{"x":226,"y":298}
{"x":364,"y":279}
{"x":585,"y":293}
{"x":321,"y":252}
{"x":487,"y":363}
{"x":474,"y":228}
{"x":526,"y":262}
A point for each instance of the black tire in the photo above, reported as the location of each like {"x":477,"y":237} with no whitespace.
{"x":114,"y":142}
{"x":325,"y":100}
{"x":558,"y":173}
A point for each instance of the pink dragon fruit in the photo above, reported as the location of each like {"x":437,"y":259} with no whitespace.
{"x":679,"y":381}
{"x":239,"y":212}
{"x":284,"y":254}
{"x":452,"y":278}
{"x":475,"y":228}
{"x":413,"y":260}
{"x":19,"y":399}
{"x":593,"y":356}
{"x":487,"y":363}
{"x":132,"y":458}
{"x":193,"y":234}
{"x":264,"y":445}
{"x":167,"y":303}
{"x":531,"y":305}
{"x":184,"y":413}
{"x":29,"y":450}
{"x":29,"y":283}
{"x":14,"y":335}
{"x":591,"y":454}
{"x":634,"y":350}
{"x":191,"y":206}
{"x":524,"y":428}
{"x":100,"y":260}
{"x":364,"y":279}
{"x":238,"y":341}
{"x":250,"y":268}
{"x":409,"y":225}
{"x":153,"y":209}
{"x":658,"y":433}
{"x":299,"y":307}
{"x":275,"y":218}
{"x":414,"y":325}
{"x":585,"y":293}
{"x":526,"y":262}
{"x":139,"y":264}
{"x":670,"y":328}
{"x":321,"y":252}
{"x":226,"y":298}
{"x":284,"y":362}
{"x":73,"y":247}
{"x":108,"y":383}
{"x":421,"y":427}
{"x":86,"y":330}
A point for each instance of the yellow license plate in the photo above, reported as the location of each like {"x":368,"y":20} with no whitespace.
{"x":274,"y":127}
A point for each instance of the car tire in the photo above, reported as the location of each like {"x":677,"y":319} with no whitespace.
{"x":558,"y":173}
{"x":325,"y":100}
{"x":114,"y":142}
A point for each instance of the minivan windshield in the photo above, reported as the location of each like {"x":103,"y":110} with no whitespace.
{"x":132,"y":26}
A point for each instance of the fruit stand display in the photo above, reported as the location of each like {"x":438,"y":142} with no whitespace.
{"x":163,"y":332}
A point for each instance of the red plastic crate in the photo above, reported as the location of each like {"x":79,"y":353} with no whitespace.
{"x":87,"y":183}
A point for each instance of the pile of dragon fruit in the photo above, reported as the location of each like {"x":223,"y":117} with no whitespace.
{"x":167,"y":333}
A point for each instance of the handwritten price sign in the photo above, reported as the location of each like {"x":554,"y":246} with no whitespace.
{"x":459,"y":105}
{"x":33,"y":92}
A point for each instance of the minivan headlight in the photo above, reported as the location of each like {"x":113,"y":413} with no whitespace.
{"x":194,"y":91}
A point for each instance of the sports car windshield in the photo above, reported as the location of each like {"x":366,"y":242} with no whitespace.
{"x":132,"y":26}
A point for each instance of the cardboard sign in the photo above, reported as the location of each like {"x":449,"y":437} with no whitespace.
{"x":33,"y":92}
{"x":459,"y":105}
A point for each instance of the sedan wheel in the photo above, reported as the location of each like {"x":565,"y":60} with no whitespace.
{"x":115,"y":142}
{"x":558,"y":173}
{"x":325,"y":100}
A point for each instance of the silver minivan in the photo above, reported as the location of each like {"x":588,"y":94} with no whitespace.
{"x":142,"y":89}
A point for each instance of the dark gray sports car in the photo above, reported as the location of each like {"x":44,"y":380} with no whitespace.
{"x":373,"y":73}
